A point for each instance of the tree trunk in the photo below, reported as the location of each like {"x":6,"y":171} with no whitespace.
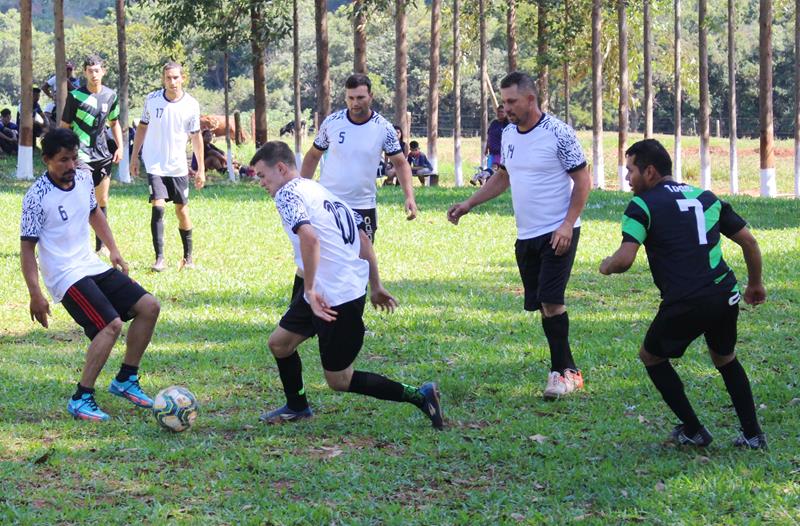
{"x":61,"y":59}
{"x":259,"y":76}
{"x":648,"y":72}
{"x":734,"y":159}
{"x":401,"y":68}
{"x":323,"y":60}
{"x":705,"y":108}
{"x":122,"y":92}
{"x":483,"y":73}
{"x":768,"y":184}
{"x":622,"y":22}
{"x":511,"y":34}
{"x":542,"y":58}
{"x":566,"y":65}
{"x":231,"y":173}
{"x":457,"y":94}
{"x":359,"y":37}
{"x":25,"y":152}
{"x":598,"y":173}
{"x":797,"y":98}
{"x":677,"y":170}
{"x":433,"y":83}
{"x":298,"y":128}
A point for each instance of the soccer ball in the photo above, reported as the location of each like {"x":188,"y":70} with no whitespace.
{"x":175,"y":408}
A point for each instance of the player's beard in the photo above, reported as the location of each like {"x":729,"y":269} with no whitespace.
{"x":67,"y":177}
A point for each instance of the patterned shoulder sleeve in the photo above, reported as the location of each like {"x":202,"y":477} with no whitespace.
{"x":32,"y":213}
{"x":391,"y":144}
{"x":503,"y":139}
{"x":145,"y":119}
{"x":570,"y":152}
{"x":90,"y":183}
{"x":322,"y":140}
{"x":291,"y":207}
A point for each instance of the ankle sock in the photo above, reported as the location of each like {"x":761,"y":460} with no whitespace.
{"x":125,"y":372}
{"x":81,"y":390}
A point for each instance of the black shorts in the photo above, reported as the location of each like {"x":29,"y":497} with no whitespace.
{"x":175,"y":189}
{"x":95,"y":301}
{"x":679,"y":324}
{"x":100,"y":170}
{"x":370,"y":216}
{"x":544,"y":275}
{"x":339,"y":341}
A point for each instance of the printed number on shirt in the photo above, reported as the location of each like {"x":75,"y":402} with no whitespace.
{"x":341,"y":137}
{"x":510,"y":154}
{"x":159,"y":112}
{"x":687,"y":205}
{"x":62,"y":213}
{"x":343,"y":220}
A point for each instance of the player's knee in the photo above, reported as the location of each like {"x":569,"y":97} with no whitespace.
{"x":649,"y":359}
{"x":150,"y":307}
{"x":114,"y":327}
{"x":278,"y":347}
{"x":553,"y":309}
{"x":721,"y":360}
{"x":338,"y":381}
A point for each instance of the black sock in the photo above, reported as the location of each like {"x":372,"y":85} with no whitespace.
{"x":157,"y":229}
{"x":97,"y":243}
{"x":297,"y":287}
{"x":126,"y":371}
{"x":377,"y":386}
{"x":186,"y":239}
{"x":738,"y":386}
{"x":556,"y":330}
{"x":670,"y":386}
{"x":291,"y":372}
{"x":81,"y":390}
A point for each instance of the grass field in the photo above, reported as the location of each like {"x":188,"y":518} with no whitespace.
{"x":506,"y":456}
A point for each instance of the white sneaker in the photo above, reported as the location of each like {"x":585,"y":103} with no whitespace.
{"x":556,"y":386}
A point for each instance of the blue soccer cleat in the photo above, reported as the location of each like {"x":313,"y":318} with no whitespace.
{"x":432,"y":406}
{"x":131,"y":390}
{"x":85,"y":408}
{"x":284,"y":414}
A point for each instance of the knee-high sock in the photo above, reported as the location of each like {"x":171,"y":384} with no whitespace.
{"x":738,"y":386}
{"x":157,"y":229}
{"x":556,"y":329}
{"x":669,"y":384}
{"x":186,"y":239}
{"x":291,"y":373}
{"x":377,"y":386}
{"x":98,"y":244}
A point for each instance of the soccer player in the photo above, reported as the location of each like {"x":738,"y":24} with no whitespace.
{"x":335,"y":255}
{"x":680,"y":227}
{"x":170,"y":117}
{"x":544,"y":165}
{"x":86,"y":112}
{"x":56,"y":214}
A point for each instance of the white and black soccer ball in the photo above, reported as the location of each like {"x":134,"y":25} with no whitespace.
{"x":175,"y":408}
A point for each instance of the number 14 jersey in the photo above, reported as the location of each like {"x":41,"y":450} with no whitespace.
{"x":680,"y":227}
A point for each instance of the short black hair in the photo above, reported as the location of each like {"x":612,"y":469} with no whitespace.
{"x":358,"y":79}
{"x":5,"y":111}
{"x":414,"y":145}
{"x":93,"y":60}
{"x":521,"y":80}
{"x":59,"y":138}
{"x":650,"y":152}
{"x":273,"y":152}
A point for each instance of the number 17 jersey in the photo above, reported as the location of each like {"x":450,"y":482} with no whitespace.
{"x":681,"y":227}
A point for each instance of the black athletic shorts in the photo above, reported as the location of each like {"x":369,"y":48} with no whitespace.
{"x":339,"y":341}
{"x":370,"y":216}
{"x":679,"y":324}
{"x":100,"y":170}
{"x":95,"y":301}
{"x":175,"y":189}
{"x":544,"y":275}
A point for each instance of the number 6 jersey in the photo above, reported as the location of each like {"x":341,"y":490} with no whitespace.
{"x":680,"y":227}
{"x":341,"y":275}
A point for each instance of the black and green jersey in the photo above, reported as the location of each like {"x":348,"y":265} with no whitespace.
{"x":87,"y":114}
{"x":680,"y":227}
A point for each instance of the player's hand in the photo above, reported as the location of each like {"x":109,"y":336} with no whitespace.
{"x":456,"y":211}
{"x":40,"y":309}
{"x":755,"y":294}
{"x":200,"y":178}
{"x":135,"y":166}
{"x":411,"y":209}
{"x":117,"y":262}
{"x":320,"y":307}
{"x":118,"y":154}
{"x":561,"y":239}
{"x":382,"y":300}
{"x":605,"y":266}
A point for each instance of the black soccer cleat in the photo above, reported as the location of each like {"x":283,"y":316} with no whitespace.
{"x":700,"y":439}
{"x":757,"y":442}
{"x":432,"y":406}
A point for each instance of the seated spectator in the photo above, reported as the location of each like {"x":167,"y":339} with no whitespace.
{"x":420,"y":165}
{"x":9,"y":133}
{"x":41,"y":122}
{"x":213,"y":157}
{"x":386,"y":168}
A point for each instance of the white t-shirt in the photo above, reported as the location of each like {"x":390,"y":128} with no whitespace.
{"x":354,"y":152}
{"x":539,"y":162}
{"x":59,"y":220}
{"x":341,"y":276}
{"x":169,"y":124}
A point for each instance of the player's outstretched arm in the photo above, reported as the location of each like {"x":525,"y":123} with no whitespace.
{"x":404,"y":172}
{"x":621,"y":260}
{"x":310,"y":162}
{"x":138,"y":140}
{"x":99,"y":224}
{"x":755,"y":293}
{"x":309,"y":252}
{"x":496,"y":185}
{"x":379,"y":296}
{"x":39,"y":307}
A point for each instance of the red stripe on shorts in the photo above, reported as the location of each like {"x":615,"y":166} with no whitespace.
{"x":87,"y":308}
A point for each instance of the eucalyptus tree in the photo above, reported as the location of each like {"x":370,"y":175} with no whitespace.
{"x":401,"y":67}
{"x":677,"y":157}
{"x":598,"y":174}
{"x":457,"y":93}
{"x":511,"y":34}
{"x":25,"y":149}
{"x":323,"y":59}
{"x":622,"y":28}
{"x":433,"y":83}
{"x":122,"y":89}
{"x":767,"y":150}
{"x":734,"y":159}
{"x":705,"y":107}
{"x":648,"y":72}
{"x":61,"y":58}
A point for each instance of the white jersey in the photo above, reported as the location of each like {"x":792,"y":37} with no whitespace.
{"x":59,"y":221}
{"x":539,"y":162}
{"x":169,"y":124}
{"x":354,"y":152}
{"x":342,"y":275}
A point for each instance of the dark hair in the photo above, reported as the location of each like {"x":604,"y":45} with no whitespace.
{"x":522,"y":80}
{"x":650,"y":152}
{"x":274,"y":152}
{"x":171,"y":65}
{"x":93,"y":60}
{"x":5,"y":111}
{"x":59,"y":138}
{"x":36,"y":89}
{"x":414,"y":145}
{"x":500,"y":107}
{"x":358,"y":79}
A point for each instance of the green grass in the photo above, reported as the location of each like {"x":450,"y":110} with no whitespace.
{"x":361,"y":461}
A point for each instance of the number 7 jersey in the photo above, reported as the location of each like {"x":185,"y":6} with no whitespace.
{"x":680,"y":227}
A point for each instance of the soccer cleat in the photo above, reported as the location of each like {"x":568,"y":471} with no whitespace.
{"x":757,"y":442}
{"x":186,"y":263}
{"x":556,"y":386}
{"x":284,"y":414}
{"x":131,"y":390}
{"x":700,"y":439}
{"x":432,"y":406}
{"x":573,"y":380}
{"x":159,"y":265}
{"x":85,"y":408}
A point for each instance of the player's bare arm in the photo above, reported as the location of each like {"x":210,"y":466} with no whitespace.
{"x":99,"y":224}
{"x":309,"y":251}
{"x":621,"y":260}
{"x":379,"y":296}
{"x":310,"y":162}
{"x":403,"y":171}
{"x":496,"y":185}
{"x":197,"y":149}
{"x":116,"y":132}
{"x":562,"y":237}
{"x":39,"y":306}
{"x":755,"y":293}
{"x":138,"y":141}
